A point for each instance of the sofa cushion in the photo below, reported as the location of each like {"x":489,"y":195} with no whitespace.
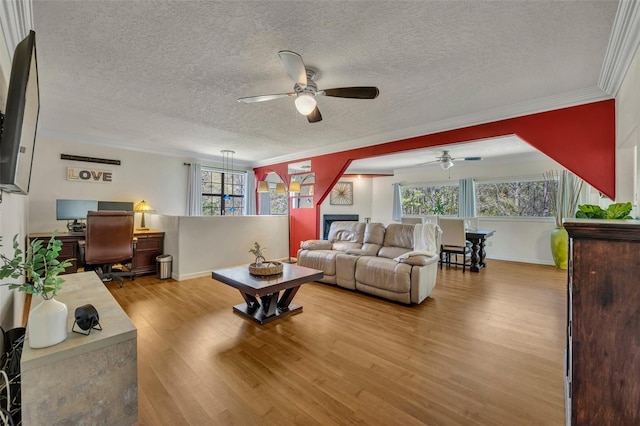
{"x":398,"y":240}
{"x":383,"y":273}
{"x":373,"y":238}
{"x":346,"y":235}
{"x":323,"y":260}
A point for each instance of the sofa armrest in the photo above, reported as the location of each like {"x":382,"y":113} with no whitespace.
{"x":423,"y":280}
{"x":420,"y":260}
{"x":316,"y":245}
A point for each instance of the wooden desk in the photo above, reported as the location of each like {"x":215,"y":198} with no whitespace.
{"x":478,"y":238}
{"x":150,"y":244}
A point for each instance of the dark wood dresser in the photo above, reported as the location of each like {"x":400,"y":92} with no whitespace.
{"x":149,"y":245}
{"x":603,"y":333}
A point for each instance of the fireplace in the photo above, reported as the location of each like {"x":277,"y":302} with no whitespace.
{"x":328,"y":219}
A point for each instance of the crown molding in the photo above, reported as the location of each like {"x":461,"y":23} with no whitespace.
{"x":623,"y":44}
{"x":16,"y":18}
{"x":563,"y":100}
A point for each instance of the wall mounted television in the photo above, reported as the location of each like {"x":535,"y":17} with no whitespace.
{"x":17,"y":140}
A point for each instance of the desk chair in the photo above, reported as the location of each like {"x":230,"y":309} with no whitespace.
{"x":109,"y":240}
{"x":454,"y":241}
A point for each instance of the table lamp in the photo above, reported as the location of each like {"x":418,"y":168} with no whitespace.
{"x":143,"y":207}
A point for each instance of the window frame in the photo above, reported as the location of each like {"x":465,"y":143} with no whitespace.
{"x":429,"y":184}
{"x":224,"y":211}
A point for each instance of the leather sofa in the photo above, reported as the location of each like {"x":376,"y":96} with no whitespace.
{"x":381,"y":261}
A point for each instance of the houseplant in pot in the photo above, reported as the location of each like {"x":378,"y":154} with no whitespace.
{"x":40,"y":267}
{"x":566,"y":197}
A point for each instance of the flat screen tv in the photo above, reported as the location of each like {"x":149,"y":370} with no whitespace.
{"x":17,"y":140}
{"x":74,"y":211}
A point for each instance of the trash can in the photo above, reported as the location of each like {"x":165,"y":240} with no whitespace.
{"x":164,"y":266}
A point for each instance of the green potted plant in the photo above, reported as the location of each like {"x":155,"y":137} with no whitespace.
{"x":567,"y":192}
{"x":257,"y":252}
{"x":40,"y":267}
{"x":614,"y":211}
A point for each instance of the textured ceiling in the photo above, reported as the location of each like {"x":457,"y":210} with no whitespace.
{"x":164,"y":76}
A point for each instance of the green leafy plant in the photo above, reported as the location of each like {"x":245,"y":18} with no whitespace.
{"x":40,"y":267}
{"x":257,"y":252}
{"x":438,"y":208}
{"x":614,"y":211}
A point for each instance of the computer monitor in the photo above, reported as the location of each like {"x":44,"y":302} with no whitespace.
{"x":74,"y":211}
{"x":126,"y":206}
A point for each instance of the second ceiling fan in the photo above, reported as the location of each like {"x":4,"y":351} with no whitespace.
{"x":305,"y":89}
{"x":446,"y":160}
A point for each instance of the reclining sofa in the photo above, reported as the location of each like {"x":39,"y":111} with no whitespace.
{"x":399,"y":262}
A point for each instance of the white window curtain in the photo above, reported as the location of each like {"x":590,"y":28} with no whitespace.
{"x":264,"y":204}
{"x":194,"y":190}
{"x":397,"y":203}
{"x":467,"y":198}
{"x":249,"y":193}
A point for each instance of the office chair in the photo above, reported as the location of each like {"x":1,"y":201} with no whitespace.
{"x":109,"y":240}
{"x":454,"y":241}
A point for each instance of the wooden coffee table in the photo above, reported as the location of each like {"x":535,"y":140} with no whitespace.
{"x":270,"y":306}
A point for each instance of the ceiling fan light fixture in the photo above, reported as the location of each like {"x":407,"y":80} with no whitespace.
{"x":446,"y":164}
{"x":305,"y":103}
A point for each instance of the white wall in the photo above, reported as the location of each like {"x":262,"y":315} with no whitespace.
{"x":158,"y":179}
{"x":515,"y":239}
{"x":202,"y":244}
{"x":362,"y":201}
{"x":628,"y":135}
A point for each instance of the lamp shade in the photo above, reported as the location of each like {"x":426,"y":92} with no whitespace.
{"x":280,"y":188}
{"x":263,"y":186}
{"x":143,"y":206}
{"x":294,"y":186}
{"x":305,"y":103}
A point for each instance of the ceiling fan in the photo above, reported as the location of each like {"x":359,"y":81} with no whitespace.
{"x":446,"y":160}
{"x":305,"y":89}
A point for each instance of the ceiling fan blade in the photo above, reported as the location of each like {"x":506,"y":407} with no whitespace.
{"x":472,"y":158}
{"x":314,"y":116}
{"x":364,"y":92}
{"x":262,"y":98}
{"x":294,"y":66}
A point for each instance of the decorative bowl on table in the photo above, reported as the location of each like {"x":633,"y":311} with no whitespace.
{"x":265,"y":268}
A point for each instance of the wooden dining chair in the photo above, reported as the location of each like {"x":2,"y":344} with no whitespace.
{"x":454,"y":242}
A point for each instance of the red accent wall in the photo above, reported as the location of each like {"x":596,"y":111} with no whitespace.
{"x":581,"y":138}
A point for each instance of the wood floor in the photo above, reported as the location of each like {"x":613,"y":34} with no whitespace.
{"x":485,"y":349}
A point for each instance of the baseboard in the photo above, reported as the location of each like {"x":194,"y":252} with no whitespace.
{"x":190,"y":276}
{"x":522,"y":260}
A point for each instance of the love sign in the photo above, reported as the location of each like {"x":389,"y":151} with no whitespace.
{"x":89,"y":175}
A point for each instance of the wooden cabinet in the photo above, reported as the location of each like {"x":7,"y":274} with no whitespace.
{"x":149,"y":245}
{"x":603,"y":338}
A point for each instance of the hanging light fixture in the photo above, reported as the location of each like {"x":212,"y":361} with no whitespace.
{"x":305,"y":103}
{"x":227,"y":169}
{"x":280,"y":188}
{"x":447,"y":164}
{"x":263,"y":186}
{"x":294,"y":186}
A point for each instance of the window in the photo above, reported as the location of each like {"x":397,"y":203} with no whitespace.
{"x":215,"y":202}
{"x":529,"y":198}
{"x":427,"y":200}
{"x":278,"y":202}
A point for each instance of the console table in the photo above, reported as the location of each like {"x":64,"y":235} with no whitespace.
{"x":149,"y":245}
{"x":84,"y":379}
{"x":478,"y":238}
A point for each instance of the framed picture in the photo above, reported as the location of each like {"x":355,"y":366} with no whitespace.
{"x":342,"y":194}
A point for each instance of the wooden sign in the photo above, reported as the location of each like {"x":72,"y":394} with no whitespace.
{"x":81,"y":174}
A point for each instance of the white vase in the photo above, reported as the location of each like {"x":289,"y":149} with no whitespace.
{"x":47,"y":324}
